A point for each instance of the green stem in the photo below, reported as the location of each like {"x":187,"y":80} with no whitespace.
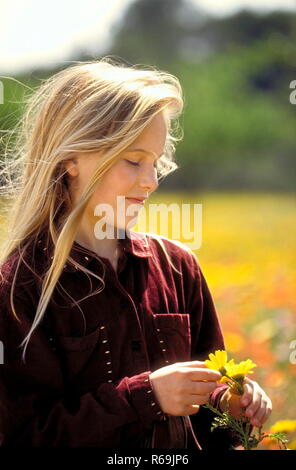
{"x":236,"y":425}
{"x":239,"y":387}
{"x":247,"y":434}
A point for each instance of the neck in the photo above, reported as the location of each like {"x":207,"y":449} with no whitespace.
{"x":106,"y":248}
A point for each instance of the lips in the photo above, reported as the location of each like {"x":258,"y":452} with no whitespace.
{"x":136,"y":201}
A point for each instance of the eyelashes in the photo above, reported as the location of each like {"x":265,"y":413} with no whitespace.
{"x":138,"y":164}
{"x":132,"y":163}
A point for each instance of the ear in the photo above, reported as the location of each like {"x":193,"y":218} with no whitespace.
{"x":71,"y":166}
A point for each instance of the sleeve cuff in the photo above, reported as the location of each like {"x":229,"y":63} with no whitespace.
{"x":216,"y":395}
{"x":144,"y":400}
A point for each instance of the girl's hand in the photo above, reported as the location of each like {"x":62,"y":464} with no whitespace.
{"x":181,"y":387}
{"x":254,"y":403}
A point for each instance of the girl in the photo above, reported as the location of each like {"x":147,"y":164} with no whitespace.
{"x":104,"y":333}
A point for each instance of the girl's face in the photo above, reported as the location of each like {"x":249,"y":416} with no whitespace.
{"x":134,"y":175}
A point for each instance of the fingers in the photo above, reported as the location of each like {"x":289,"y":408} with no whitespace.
{"x":253,"y":409}
{"x":205,"y":374}
{"x":196,"y":387}
{"x":192,"y":409}
{"x":191,"y":400}
{"x":192,"y":364}
{"x":202,"y":388}
{"x":202,"y":374}
{"x":262,"y":413}
{"x":253,"y":398}
{"x":247,"y":396}
{"x":257,"y":404}
{"x":260,"y":417}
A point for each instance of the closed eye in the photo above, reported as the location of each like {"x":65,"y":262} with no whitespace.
{"x":138,"y":164}
{"x":132,"y":163}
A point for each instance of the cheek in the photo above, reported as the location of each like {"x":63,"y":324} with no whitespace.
{"x":118,"y":182}
{"x":110,"y":187}
{"x":125,"y":173}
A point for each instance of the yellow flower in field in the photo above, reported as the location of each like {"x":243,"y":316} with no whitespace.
{"x":241,"y":369}
{"x":285,"y":425}
{"x":217,"y":361}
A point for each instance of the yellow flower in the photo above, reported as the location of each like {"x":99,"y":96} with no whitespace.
{"x":217,"y":361}
{"x":241,"y":369}
{"x":285,"y":425}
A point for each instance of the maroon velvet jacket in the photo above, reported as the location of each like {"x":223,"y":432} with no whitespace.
{"x":86,"y":382}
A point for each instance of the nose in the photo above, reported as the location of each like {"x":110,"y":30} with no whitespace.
{"x":148,"y":180}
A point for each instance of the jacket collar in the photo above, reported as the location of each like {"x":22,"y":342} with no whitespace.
{"x":134,"y":243}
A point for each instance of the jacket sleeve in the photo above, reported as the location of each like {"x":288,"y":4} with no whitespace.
{"x":206,"y":337}
{"x":36,"y":412}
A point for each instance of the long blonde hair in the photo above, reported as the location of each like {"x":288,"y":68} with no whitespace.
{"x":89,"y":106}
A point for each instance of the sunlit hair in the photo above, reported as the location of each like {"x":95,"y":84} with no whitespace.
{"x":101,"y":105}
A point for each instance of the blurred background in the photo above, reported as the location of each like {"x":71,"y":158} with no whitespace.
{"x":236,"y":61}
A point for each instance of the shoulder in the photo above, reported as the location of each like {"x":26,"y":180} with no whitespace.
{"x":7,"y":270}
{"x":16,"y":271}
{"x":7,"y":287}
{"x":176,"y":250}
{"x":174,"y":246}
{"x":19,"y":290}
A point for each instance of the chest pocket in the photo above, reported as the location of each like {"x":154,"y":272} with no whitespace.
{"x":87,"y":359}
{"x":173,"y":336}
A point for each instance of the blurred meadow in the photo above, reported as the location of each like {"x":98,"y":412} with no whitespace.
{"x":237,"y":159}
{"x":248,"y":256}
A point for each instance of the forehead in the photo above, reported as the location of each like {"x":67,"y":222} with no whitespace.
{"x":153,"y":137}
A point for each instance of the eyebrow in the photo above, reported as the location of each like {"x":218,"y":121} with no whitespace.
{"x":141,"y":150}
